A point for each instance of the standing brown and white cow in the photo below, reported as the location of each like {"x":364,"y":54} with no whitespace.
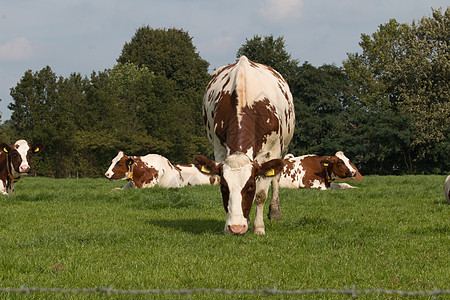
{"x":316,"y":172}
{"x":14,"y":163}
{"x":248,"y":113}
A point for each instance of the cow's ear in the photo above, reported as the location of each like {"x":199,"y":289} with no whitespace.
{"x":326,"y":162}
{"x":206,"y":165}
{"x":271,"y":168}
{"x":130,"y":161}
{"x":5,"y":147}
{"x":37,"y":148}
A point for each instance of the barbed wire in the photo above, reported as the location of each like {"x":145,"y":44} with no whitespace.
{"x":109,"y":291}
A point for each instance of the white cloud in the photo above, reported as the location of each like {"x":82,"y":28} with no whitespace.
{"x":18,"y":49}
{"x":280,"y":10}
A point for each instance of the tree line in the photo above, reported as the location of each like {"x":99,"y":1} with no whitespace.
{"x":387,"y":108}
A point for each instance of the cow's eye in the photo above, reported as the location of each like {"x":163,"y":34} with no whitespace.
{"x":251,"y":187}
{"x":119,"y":163}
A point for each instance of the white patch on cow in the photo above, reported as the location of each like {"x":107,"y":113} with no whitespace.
{"x":3,"y":188}
{"x":192,"y":176}
{"x":22,"y":148}
{"x":447,"y":189}
{"x":316,"y":184}
{"x":341,"y":186}
{"x":341,"y":155}
{"x":237,"y":170}
{"x":294,"y":179}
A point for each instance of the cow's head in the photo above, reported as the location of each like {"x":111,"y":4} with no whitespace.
{"x":120,"y":167}
{"x":339,"y":166}
{"x":238,"y":183}
{"x":19,"y":156}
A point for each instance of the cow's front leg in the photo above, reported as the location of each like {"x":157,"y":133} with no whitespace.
{"x":258,"y":226}
{"x":275,"y":206}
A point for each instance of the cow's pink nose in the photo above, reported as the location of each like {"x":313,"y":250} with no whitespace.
{"x":24,"y":169}
{"x":237,"y":229}
{"x":107,"y":175}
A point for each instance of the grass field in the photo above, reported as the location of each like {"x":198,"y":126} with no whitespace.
{"x":391,"y":233}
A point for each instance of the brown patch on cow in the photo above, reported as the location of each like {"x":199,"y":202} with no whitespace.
{"x":143,"y":174}
{"x":314,"y":170}
{"x":248,"y":194}
{"x":120,"y":168}
{"x":257,"y":123}
{"x":216,"y":75}
{"x":289,"y":167}
{"x":225,"y":193}
{"x":261,"y":197}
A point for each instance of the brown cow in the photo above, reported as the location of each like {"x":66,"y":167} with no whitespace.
{"x":312,"y":171}
{"x":14,"y":163}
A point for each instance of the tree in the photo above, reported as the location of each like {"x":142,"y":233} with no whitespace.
{"x":271,"y":52}
{"x":404,"y":70}
{"x":170,"y":53}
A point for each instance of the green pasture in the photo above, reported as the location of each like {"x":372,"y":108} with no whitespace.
{"x":390,"y":233}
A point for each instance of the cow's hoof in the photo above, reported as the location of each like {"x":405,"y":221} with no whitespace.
{"x":259,"y":231}
{"x":274,"y":215}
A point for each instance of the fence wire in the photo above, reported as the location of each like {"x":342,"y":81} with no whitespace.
{"x":271,"y":292}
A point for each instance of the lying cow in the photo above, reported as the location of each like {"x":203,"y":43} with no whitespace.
{"x":153,"y":169}
{"x":14,"y":163}
{"x":312,"y":171}
{"x":447,"y":189}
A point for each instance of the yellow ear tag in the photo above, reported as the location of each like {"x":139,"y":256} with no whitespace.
{"x":270,"y":173}
{"x":325,"y":164}
{"x":37,"y":149}
{"x":205,"y":170}
{"x":5,"y":150}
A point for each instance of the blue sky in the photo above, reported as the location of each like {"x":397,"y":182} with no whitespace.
{"x":83,"y":36}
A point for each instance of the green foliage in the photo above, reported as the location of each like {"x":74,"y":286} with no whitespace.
{"x":388,"y":107}
{"x":271,"y":52}
{"x":391,"y":233}
{"x":135,"y":107}
{"x":170,"y":53}
{"x":405,"y":69}
{"x":321,"y":99}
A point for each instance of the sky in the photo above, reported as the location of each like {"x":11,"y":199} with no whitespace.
{"x":82,"y":36}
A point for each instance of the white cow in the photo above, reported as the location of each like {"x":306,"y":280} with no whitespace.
{"x":249,"y":117}
{"x":153,"y":169}
{"x":447,"y":189}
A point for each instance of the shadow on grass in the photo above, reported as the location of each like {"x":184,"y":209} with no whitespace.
{"x":194,"y":226}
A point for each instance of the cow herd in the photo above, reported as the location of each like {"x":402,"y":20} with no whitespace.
{"x":249,"y":117}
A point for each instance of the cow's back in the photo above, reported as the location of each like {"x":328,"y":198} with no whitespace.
{"x":248,"y":108}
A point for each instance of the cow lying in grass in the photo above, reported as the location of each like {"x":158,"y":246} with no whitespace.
{"x":317,"y":172}
{"x":14,"y":163}
{"x":153,"y":169}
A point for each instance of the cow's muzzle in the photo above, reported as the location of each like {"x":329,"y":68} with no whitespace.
{"x":237,"y":229}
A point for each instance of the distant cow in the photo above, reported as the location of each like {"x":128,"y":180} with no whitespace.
{"x":312,"y":171}
{"x":14,"y":163}
{"x":153,"y":169}
{"x":447,"y":189}
{"x":248,"y":113}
